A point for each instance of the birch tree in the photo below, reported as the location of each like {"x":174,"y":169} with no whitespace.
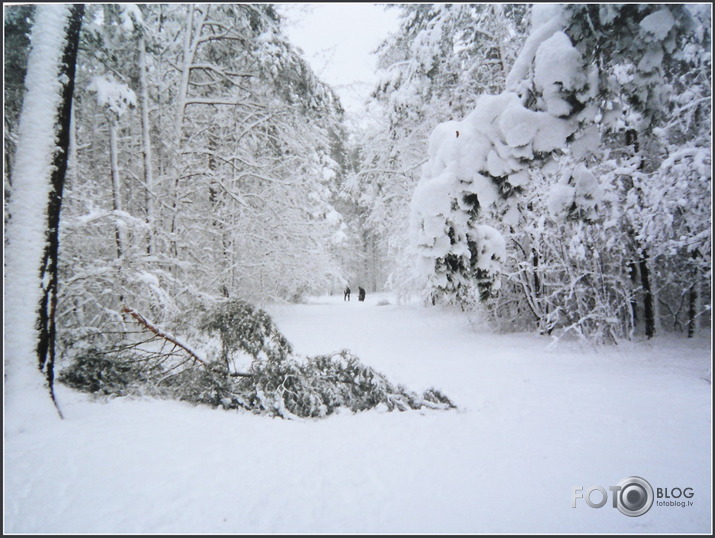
{"x":36,"y":201}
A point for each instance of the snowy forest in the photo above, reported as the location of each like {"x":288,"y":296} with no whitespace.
{"x":552,"y":170}
{"x":174,"y":171}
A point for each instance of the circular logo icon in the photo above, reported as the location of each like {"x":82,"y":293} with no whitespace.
{"x":635,"y":496}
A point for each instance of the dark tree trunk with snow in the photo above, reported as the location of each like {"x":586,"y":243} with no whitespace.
{"x":633,"y":274}
{"x":648,"y":302}
{"x":692,"y":310}
{"x":48,"y":270}
{"x":648,"y":307}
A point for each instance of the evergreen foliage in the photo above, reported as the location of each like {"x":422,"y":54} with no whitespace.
{"x":320,"y":385}
{"x":243,"y":327}
{"x":101,"y":373}
{"x":278,"y":383}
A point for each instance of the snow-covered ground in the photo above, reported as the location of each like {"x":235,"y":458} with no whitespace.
{"x":533,"y":423}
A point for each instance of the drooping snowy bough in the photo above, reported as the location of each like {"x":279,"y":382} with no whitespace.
{"x":477,"y":165}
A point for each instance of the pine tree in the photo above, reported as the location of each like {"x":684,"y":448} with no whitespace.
{"x":432,"y":70}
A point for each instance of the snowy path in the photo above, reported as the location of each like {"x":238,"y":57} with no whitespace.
{"x":532,"y":425}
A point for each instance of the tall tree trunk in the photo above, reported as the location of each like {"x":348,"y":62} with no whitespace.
{"x":179,"y":121}
{"x":693,"y":295}
{"x":190,"y":44}
{"x":116,"y":183}
{"x":146,"y":146}
{"x":36,"y":199}
{"x":648,"y":299}
{"x":184,"y":80}
{"x":72,"y":160}
{"x":376,"y":273}
{"x":543,"y":306}
{"x":498,"y":15}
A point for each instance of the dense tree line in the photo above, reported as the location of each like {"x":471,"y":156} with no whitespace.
{"x":549,"y":165}
{"x":204,"y":162}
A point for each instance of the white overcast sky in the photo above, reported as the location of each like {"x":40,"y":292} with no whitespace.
{"x":337,"y":39}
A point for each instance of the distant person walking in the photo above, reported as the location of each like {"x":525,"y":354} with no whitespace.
{"x":346,"y":297}
{"x":361,"y":294}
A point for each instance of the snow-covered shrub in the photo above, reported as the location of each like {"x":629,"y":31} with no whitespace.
{"x":129,"y":373}
{"x":291,"y":387}
{"x":278,"y":382}
{"x":319,"y":385}
{"x":567,"y":273}
{"x":245,"y":328}
{"x":101,"y":373}
{"x":206,"y":386}
{"x":97,"y":284}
